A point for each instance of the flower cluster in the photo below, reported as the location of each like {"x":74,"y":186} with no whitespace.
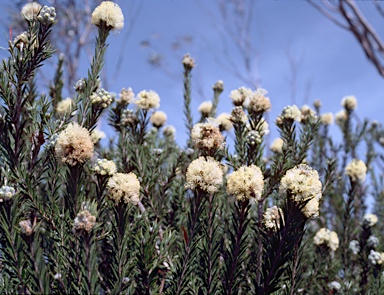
{"x":370,"y":219}
{"x":277,"y":145}
{"x":65,"y":106}
{"x":204,"y":174}
{"x":238,"y":115}
{"x":326,"y":119}
{"x":74,"y":145}
{"x":354,"y":246}
{"x":205,"y":108}
{"x":356,"y":170}
{"x":246,"y":183}
{"x":30,"y":10}
{"x":376,"y":258}
{"x":97,"y":135}
{"x":291,"y":113}
{"x":271,"y":218}
{"x":328,"y":238}
{"x":124,"y":187}
{"x":207,"y":136}
{"x":6,"y":193}
{"x":108,"y":14}
{"x":224,"y":120}
{"x":158,"y":119}
{"x":303,"y":185}
{"x":258,"y":102}
{"x":188,"y":61}
{"x":239,"y":96}
{"x":105,"y":167}
{"x":101,"y":99}
{"x":84,"y":220}
{"x":126,"y":96}
{"x":47,"y":15}
{"x":147,"y":100}
{"x":349,"y":103}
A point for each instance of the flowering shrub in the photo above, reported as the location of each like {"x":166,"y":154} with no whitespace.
{"x":145,"y":216}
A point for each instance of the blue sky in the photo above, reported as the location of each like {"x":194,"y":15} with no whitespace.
{"x":331,"y":61}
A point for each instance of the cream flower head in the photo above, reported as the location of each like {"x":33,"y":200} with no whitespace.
{"x":349,"y":103}
{"x":328,"y":238}
{"x":302,"y":183}
{"x":109,"y":14}
{"x":271,"y":218}
{"x":74,"y":145}
{"x":258,"y":102}
{"x":239,"y":96}
{"x":341,"y":117}
{"x":291,"y":113}
{"x":246,"y":183}
{"x":225,"y":121}
{"x":205,"y":108}
{"x":158,"y":119}
{"x":204,"y":174}
{"x":326,"y":119}
{"x":124,"y":187}
{"x":84,"y":221}
{"x":30,"y":10}
{"x":65,"y":106}
{"x":277,"y":145}
{"x":147,"y":100}
{"x":356,"y":170}
{"x":104,"y":167}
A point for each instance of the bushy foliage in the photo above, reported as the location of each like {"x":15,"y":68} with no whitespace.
{"x":144,"y":216}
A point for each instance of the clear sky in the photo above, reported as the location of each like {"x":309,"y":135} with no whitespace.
{"x":332,"y":65}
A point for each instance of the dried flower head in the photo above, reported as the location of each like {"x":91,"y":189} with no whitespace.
{"x":158,"y":119}
{"x":246,"y":183}
{"x":327,"y":238}
{"x":271,"y":218}
{"x":349,"y":103}
{"x":97,"y":135}
{"x":74,"y":145}
{"x":207,"y":136}
{"x":205,"y":108}
{"x":26,"y":227}
{"x":317,"y":104}
{"x":238,"y":115}
{"x":65,"y":106}
{"x":326,"y":119}
{"x":169,"y":131}
{"x":108,"y":14}
{"x":225,"y":121}
{"x":291,"y":113}
{"x":147,"y":100}
{"x":204,"y":174}
{"x":370,"y":219}
{"x":239,"y":96}
{"x":302,"y":183}
{"x":277,"y":145}
{"x":188,"y":61}
{"x":47,"y":15}
{"x":126,"y":96}
{"x":105,"y":167}
{"x":258,"y":102}
{"x":356,"y":170}
{"x":101,"y":99}
{"x":218,"y":86}
{"x":7,"y":193}
{"x":30,"y":10}
{"x":124,"y":187}
{"x":84,"y":221}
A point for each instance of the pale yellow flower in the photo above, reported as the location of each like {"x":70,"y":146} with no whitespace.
{"x":370,"y":219}
{"x":327,"y":238}
{"x":246,"y":183}
{"x":356,"y":170}
{"x":124,"y":187}
{"x":169,"y":131}
{"x":97,"y":135}
{"x":271,"y":218}
{"x":327,"y":119}
{"x":65,"y":106}
{"x":147,"y":100}
{"x":277,"y":145}
{"x":30,"y":10}
{"x":341,"y":117}
{"x":349,"y":103}
{"x":205,"y":108}
{"x":239,"y":96}
{"x":204,"y":174}
{"x":104,"y":167}
{"x":74,"y":145}
{"x":258,"y":102}
{"x":291,"y":113}
{"x":158,"y":119}
{"x":225,"y":121}
{"x":108,"y":14}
